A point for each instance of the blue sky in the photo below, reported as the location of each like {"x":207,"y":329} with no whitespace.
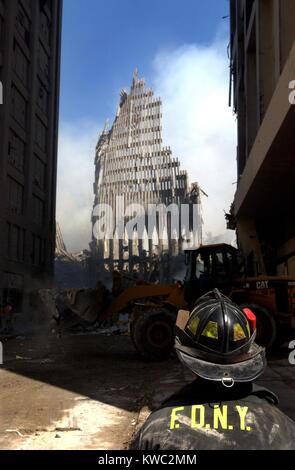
{"x":103,"y":40}
{"x":180,"y":47}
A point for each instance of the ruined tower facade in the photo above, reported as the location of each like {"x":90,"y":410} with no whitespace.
{"x":132,"y":166}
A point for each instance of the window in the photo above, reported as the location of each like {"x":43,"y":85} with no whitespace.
{"x":16,"y":152}
{"x":15,"y":197}
{"x":42,"y":98}
{"x":15,"y":245}
{"x":27,"y":4}
{"x":21,"y":64}
{"x":41,"y":134}
{"x":1,"y":26}
{"x":19,"y":107}
{"x":231,"y":266}
{"x":199,"y":267}
{"x":249,"y":8}
{"x":23,"y":25}
{"x":44,"y":27}
{"x":38,"y":210}
{"x":207,"y":261}
{"x":219,"y":264}
{"x":38,"y":251}
{"x":43,"y":61}
{"x":39,"y":173}
{"x":46,"y":3}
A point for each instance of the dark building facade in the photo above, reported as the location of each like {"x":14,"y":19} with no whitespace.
{"x":30,"y":42}
{"x":263,"y":74}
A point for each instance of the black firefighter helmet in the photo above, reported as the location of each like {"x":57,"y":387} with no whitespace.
{"x":216,"y":341}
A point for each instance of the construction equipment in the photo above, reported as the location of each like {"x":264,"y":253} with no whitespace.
{"x":153,"y":308}
{"x":271,"y":298}
{"x":221,"y":266}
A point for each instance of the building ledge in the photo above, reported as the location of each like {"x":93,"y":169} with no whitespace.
{"x":275,"y":117}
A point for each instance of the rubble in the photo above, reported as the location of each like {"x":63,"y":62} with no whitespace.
{"x":71,"y":269}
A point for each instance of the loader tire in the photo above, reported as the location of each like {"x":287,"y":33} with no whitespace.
{"x":266,"y":326}
{"x":153,"y":334}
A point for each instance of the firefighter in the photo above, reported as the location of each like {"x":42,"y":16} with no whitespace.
{"x":222,"y":408}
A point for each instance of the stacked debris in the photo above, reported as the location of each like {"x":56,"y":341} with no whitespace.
{"x":71,"y":269}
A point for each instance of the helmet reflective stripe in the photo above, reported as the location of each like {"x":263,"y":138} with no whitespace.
{"x":248,"y":329}
{"x":211,"y":330}
{"x":239,"y":333}
{"x":193,"y":324}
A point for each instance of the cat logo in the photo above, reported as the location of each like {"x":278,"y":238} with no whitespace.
{"x":262,"y":285}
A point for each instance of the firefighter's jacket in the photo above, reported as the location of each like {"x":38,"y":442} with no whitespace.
{"x":207,"y":415}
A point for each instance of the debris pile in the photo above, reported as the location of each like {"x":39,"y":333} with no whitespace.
{"x":71,"y":269}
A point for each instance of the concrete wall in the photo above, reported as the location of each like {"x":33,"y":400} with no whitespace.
{"x":263,"y":64}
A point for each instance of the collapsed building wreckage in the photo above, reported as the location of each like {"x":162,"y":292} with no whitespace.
{"x":71,"y":269}
{"x":133,"y":168}
{"x":106,"y":308}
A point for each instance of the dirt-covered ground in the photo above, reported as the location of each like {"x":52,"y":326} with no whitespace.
{"x":93,"y":392}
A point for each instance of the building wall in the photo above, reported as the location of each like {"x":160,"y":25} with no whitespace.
{"x":263,"y":65}
{"x":30,"y":36}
